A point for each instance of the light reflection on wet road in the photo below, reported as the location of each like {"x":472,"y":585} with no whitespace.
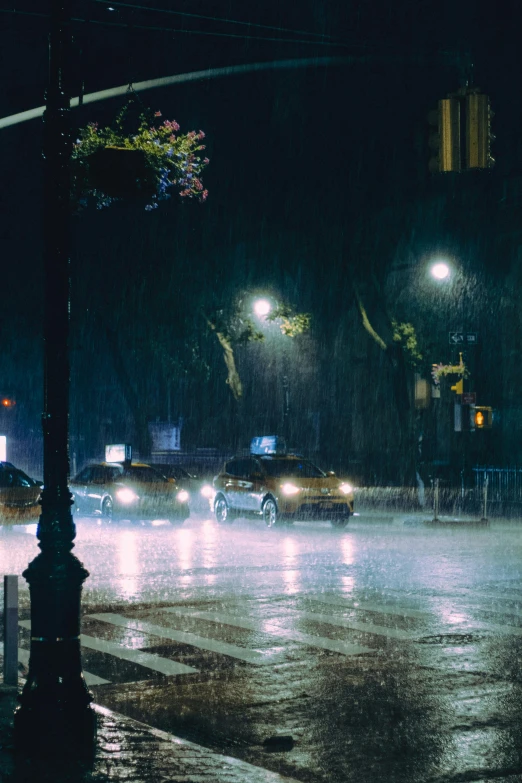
{"x":388,"y":652}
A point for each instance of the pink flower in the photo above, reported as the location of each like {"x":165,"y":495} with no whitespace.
{"x":157,"y":114}
{"x":171,"y":125}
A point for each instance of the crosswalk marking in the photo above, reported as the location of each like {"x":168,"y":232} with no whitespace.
{"x":504,"y":628}
{"x":353,"y":625}
{"x":149,"y":660}
{"x":500,"y":601}
{"x":272,"y":628}
{"x":384,"y":608}
{"x":281,"y":626}
{"x":185,"y":637}
{"x":90,"y":679}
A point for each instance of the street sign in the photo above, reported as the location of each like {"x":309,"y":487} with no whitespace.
{"x":456,"y":338}
{"x":463,"y":338}
{"x":469,"y":398}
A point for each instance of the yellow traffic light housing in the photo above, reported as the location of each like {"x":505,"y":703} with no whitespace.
{"x":444,"y":139}
{"x":478,"y":132}
{"x":460,"y":137}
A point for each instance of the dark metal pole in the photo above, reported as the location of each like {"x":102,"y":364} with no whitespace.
{"x":55,"y":712}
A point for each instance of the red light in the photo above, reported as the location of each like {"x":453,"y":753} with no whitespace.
{"x":7,"y":403}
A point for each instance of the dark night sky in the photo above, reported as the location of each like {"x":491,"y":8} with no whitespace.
{"x":308,"y":153}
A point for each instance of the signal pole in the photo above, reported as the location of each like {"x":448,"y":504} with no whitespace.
{"x":55,"y":717}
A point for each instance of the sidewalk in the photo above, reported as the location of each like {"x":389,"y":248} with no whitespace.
{"x":132,"y":752}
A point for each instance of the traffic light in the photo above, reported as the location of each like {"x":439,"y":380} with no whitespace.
{"x":445,"y":136}
{"x":460,"y":134}
{"x":478,"y":132}
{"x":481,"y":417}
{"x":458,"y":388}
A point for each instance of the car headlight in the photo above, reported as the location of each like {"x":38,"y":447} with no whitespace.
{"x":346,"y":488}
{"x":290,"y":489}
{"x":127,"y":495}
{"x":182,"y":496}
{"x":207,"y":491}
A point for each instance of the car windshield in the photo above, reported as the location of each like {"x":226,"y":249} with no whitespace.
{"x":295,"y":468}
{"x":173,"y":471}
{"x":143,"y":473}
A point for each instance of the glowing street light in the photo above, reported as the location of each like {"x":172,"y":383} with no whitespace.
{"x":262,"y":307}
{"x":440,"y":270}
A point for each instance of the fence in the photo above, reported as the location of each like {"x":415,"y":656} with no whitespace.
{"x":504,"y":488}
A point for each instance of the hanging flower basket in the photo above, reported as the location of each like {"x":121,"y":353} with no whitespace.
{"x":121,"y":172}
{"x":145,"y":166}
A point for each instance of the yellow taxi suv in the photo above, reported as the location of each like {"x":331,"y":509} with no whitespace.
{"x":279,"y":488}
{"x":135,"y":490}
{"x":19,"y":496}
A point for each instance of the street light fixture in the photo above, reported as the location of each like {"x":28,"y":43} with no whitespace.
{"x":262,"y":307}
{"x":440,"y":270}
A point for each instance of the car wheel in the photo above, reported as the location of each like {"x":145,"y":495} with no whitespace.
{"x":339,"y":522}
{"x":107,"y":509}
{"x":222,"y":511}
{"x":270,"y":512}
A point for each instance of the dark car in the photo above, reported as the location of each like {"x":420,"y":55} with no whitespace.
{"x":128,"y":491}
{"x":280,"y":488}
{"x":200,"y":491}
{"x":19,"y":496}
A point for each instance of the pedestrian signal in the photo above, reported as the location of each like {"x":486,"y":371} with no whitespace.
{"x":482,"y":417}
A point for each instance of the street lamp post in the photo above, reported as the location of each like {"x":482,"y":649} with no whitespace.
{"x":55,"y":712}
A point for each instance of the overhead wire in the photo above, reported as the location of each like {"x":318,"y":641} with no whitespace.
{"x":154,"y":28}
{"x":225,"y":20}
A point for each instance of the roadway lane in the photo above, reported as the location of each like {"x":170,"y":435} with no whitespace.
{"x":387,"y":651}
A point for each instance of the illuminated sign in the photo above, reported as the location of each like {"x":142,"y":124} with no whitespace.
{"x":118,"y":452}
{"x":268,"y":444}
{"x":3,"y":448}
{"x":164,"y":436}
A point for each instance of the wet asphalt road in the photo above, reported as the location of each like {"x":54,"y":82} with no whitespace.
{"x":386,"y":651}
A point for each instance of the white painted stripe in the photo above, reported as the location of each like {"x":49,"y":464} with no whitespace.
{"x":184,"y":637}
{"x":353,"y":625}
{"x":271,"y":628}
{"x":90,"y":679}
{"x":384,"y":608}
{"x":149,"y":660}
{"x":513,"y":630}
{"x":502,"y":603}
